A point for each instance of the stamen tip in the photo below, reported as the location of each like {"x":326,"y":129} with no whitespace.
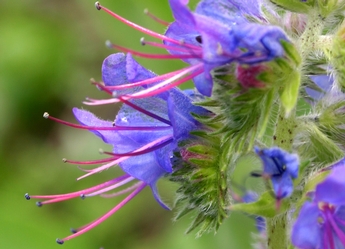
{"x":39,"y":204}
{"x":146,"y":11}
{"x":108,"y":44}
{"x":60,"y":241}
{"x":64,"y":160}
{"x":46,"y":115}
{"x":27,"y":196}
{"x":98,"y":5}
{"x":73,"y":230}
{"x":142,"y":41}
{"x":101,"y":151}
{"x":82,"y":196}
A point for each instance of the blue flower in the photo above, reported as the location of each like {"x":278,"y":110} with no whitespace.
{"x":280,"y":167}
{"x":321,"y":221}
{"x":144,"y":135}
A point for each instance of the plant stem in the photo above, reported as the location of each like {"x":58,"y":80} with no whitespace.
{"x":276,"y":227}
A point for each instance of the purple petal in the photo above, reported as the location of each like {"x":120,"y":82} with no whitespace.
{"x":89,"y":119}
{"x":282,"y":185}
{"x":157,"y":197}
{"x":231,"y":12}
{"x":180,"y":107}
{"x":181,"y":12}
{"x":332,"y":189}
{"x":204,"y":83}
{"x":306,"y":232}
{"x":136,"y":72}
{"x":144,"y":168}
{"x":324,"y":82}
{"x":114,"y":70}
{"x":257,"y":39}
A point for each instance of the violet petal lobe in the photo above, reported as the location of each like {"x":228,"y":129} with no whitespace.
{"x":306,"y":232}
{"x":331,"y":190}
{"x":180,"y":109}
{"x":230,"y":12}
{"x":114,"y":70}
{"x":89,"y":119}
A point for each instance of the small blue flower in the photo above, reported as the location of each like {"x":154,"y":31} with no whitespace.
{"x":321,"y":221}
{"x":144,"y":135}
{"x":281,"y":167}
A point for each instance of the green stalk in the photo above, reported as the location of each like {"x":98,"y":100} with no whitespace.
{"x":277,"y":227}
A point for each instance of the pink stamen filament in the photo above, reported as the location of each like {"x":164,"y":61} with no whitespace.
{"x":136,"y":153}
{"x":142,"y":29}
{"x":148,"y":113}
{"x":110,"y":128}
{"x":153,"y":56}
{"x":144,"y":82}
{"x":101,"y":86}
{"x":105,"y":216}
{"x":147,"y":12}
{"x":106,"y":166}
{"x":168,"y":84}
{"x":154,"y":90}
{"x":337,"y":230}
{"x":175,"y":48}
{"x":103,"y":190}
{"x":82,"y":192}
{"x":121,"y":192}
{"x":328,"y":232}
{"x":106,"y":160}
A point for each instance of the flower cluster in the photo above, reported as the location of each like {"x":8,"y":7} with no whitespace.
{"x":269,"y":86}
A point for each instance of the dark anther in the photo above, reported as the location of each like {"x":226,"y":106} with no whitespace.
{"x":59,"y":241}
{"x":98,"y":6}
{"x":73,"y":230}
{"x":64,"y":160}
{"x":256,"y":174}
{"x":39,"y":204}
{"x":82,"y":196}
{"x":199,"y":39}
{"x":27,"y":196}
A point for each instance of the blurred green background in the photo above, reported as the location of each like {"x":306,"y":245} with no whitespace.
{"x":49,"y":50}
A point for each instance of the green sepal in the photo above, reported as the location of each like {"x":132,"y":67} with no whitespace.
{"x":295,"y":5}
{"x":203,"y":181}
{"x":291,"y":52}
{"x":326,"y":7}
{"x":312,"y":183}
{"x":265,"y":206}
{"x":289,"y":94}
{"x":202,"y":149}
{"x":266,"y":112}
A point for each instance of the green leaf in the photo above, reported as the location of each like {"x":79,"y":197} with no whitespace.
{"x":265,"y":206}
